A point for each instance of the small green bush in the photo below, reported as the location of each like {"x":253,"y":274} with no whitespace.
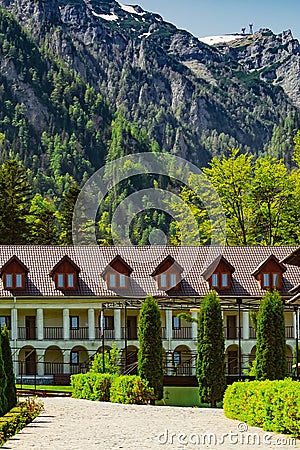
{"x":271,"y":405}
{"x":92,"y":386}
{"x":18,"y":417}
{"x":131,"y":389}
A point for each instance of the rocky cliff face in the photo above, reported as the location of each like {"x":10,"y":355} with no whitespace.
{"x":195,"y":100}
{"x":275,"y":57}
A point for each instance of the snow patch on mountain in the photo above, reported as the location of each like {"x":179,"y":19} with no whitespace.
{"x":108,"y":17}
{"x":212,"y":40}
{"x":131,"y":10}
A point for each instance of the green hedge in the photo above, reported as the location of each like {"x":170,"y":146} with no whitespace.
{"x":108,"y":387}
{"x":131,"y":389}
{"x":271,"y":405}
{"x":92,"y":386}
{"x":18,"y":417}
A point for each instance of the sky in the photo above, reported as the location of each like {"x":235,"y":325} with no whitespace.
{"x":215,"y":17}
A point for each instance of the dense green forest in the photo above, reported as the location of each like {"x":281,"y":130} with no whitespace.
{"x":260,"y":199}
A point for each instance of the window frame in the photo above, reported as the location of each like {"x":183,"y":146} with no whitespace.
{"x":6,"y":321}
{"x":174,"y":320}
{"x":215,"y":277}
{"x":13,"y":284}
{"x":71,"y":323}
{"x":76,"y":354}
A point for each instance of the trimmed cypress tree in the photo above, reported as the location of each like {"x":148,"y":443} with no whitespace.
{"x":271,"y":362}
{"x":211,"y":351}
{"x":10,"y":391}
{"x":3,"y":383}
{"x":150,"y":362}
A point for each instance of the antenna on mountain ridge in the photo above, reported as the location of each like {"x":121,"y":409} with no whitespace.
{"x":251,"y":28}
{"x":243,"y":30}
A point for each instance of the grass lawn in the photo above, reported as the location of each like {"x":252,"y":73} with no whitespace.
{"x":45,"y":388}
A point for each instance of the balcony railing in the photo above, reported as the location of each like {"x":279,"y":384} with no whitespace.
{"x":27,"y":333}
{"x":182,"y":333}
{"x":232,"y":332}
{"x":108,"y":334}
{"x":289,"y":332}
{"x":252,"y":333}
{"x":53,"y":333}
{"x":131,"y":333}
{"x":54,"y":368}
{"x":80,"y":333}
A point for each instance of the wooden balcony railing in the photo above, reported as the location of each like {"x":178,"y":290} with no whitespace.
{"x":27,"y":333}
{"x":54,"y":368}
{"x":289,"y":332}
{"x":232,"y":332}
{"x":131,"y":333}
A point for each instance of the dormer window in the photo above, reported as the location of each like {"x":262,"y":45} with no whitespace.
{"x":65,"y":274}
{"x":269,"y":273}
{"x":14,"y":274}
{"x":168,"y":274}
{"x":117,"y":274}
{"x":219,"y":274}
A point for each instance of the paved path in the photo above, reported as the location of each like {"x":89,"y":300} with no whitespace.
{"x":70,"y":424}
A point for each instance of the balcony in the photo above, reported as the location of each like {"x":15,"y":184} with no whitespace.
{"x":252,"y":333}
{"x":53,"y":368}
{"x":131,"y":333}
{"x":289,"y":332}
{"x":80,"y":333}
{"x":108,"y":334}
{"x":53,"y":333}
{"x":232,"y":333}
{"x":182,"y":333}
{"x":27,"y":333}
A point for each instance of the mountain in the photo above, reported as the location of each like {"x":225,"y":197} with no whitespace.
{"x":195,"y":100}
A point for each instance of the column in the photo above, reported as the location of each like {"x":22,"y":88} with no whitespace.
{"x":40,"y":324}
{"x":40,"y":362}
{"x":14,"y":337}
{"x":66,"y":324}
{"x":245,"y":324}
{"x":67,"y":357}
{"x":296,"y":324}
{"x":14,"y":324}
{"x":91,"y":319}
{"x":117,"y":324}
{"x":169,"y":323}
{"x":194,"y":315}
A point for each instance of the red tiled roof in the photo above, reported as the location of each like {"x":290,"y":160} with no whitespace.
{"x":93,"y":260}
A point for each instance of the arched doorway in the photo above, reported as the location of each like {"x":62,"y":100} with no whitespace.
{"x":27,"y":361}
{"x":53,"y":361}
{"x":129,"y":360}
{"x":289,"y":358}
{"x":79,"y":359}
{"x":183,"y":361}
{"x":232,"y":360}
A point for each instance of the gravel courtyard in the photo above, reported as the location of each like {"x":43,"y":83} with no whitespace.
{"x":71,"y":424}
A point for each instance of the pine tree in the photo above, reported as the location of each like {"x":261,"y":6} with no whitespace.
{"x":271,"y":362}
{"x":211,"y":350}
{"x":66,"y":214}
{"x":10,"y":391}
{"x":150,"y":364}
{"x":3,"y":383}
{"x":15,"y":197}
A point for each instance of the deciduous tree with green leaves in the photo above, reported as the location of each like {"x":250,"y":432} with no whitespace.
{"x":211,"y":350}
{"x":271,"y":362}
{"x":150,"y":363}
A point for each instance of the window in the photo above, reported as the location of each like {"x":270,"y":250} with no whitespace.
{"x":60,"y":280}
{"x":224,"y":280}
{"x":176,"y":322}
{"x":70,"y":280}
{"x":266,"y":280}
{"x":19,"y":280}
{"x":74,"y":322}
{"x":275,"y":280}
{"x":173,"y":279}
{"x":163,"y":280}
{"x":74,"y":357}
{"x":214,"y":280}
{"x":8,"y":280}
{"x":122,"y":280}
{"x":5,"y":320}
{"x":112,"y":280}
